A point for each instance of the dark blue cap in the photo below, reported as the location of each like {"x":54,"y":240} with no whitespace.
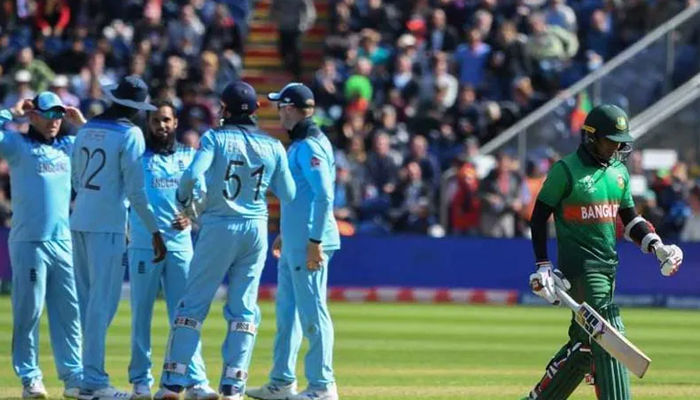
{"x":240,"y":98}
{"x":295,"y":94}
{"x":131,"y":91}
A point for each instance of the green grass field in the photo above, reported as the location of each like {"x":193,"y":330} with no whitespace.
{"x":400,"y":351}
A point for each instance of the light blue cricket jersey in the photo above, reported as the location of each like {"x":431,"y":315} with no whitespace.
{"x":40,"y":185}
{"x":107,"y":171}
{"x":310,"y":215}
{"x":239,"y":164}
{"x":162,"y":173}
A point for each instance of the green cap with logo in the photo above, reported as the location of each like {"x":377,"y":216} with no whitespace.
{"x":608,"y":121}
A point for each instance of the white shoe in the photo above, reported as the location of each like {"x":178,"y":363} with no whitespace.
{"x":201,"y":392}
{"x":141,"y":392}
{"x":273,"y":391}
{"x":108,"y":393}
{"x":330,"y":393}
{"x":71,"y":393}
{"x":35,"y":390}
{"x":166,"y":394}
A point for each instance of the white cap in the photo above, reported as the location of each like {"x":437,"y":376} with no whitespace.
{"x":23,"y":76}
{"x":60,"y":81}
{"x":407,"y":40}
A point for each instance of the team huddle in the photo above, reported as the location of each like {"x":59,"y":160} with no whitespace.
{"x":140,"y":194}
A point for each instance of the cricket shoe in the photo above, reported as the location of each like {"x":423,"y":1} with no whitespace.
{"x":228,"y":392}
{"x":329,"y":393}
{"x":35,"y":390}
{"x":71,"y":393}
{"x":201,"y":392}
{"x":273,"y":391}
{"x":108,"y":393}
{"x":168,"y":393}
{"x":141,"y":392}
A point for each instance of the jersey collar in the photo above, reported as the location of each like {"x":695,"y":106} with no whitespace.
{"x":303,"y":129}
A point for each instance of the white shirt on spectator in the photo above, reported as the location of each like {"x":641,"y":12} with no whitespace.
{"x":562,"y":16}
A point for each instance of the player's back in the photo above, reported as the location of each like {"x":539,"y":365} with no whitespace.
{"x":100,"y":204}
{"x":245,"y":164}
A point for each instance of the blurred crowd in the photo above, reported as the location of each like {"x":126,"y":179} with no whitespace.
{"x":407,"y":89}
{"x":411,"y":89}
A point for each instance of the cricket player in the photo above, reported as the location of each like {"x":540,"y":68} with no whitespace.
{"x":586,"y":191}
{"x":40,"y":245}
{"x":309,"y":237}
{"x":107,"y":171}
{"x":164,"y":162}
{"x":239,"y":162}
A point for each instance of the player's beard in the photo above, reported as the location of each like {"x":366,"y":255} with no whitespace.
{"x":161,"y":143}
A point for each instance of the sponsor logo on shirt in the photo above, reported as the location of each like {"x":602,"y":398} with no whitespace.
{"x":315,"y":162}
{"x":591,"y":213}
{"x":49,"y":167}
{"x":164,"y":183}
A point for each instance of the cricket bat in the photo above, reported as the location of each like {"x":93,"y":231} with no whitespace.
{"x":606,"y":335}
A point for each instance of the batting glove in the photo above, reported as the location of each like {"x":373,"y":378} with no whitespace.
{"x":544,"y":281}
{"x":670,"y":256}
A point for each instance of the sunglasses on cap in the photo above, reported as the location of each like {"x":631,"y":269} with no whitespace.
{"x":52,"y":113}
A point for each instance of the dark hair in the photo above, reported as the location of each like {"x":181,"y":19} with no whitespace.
{"x":158,"y":104}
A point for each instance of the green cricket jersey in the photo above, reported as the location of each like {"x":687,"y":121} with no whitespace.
{"x":586,"y":197}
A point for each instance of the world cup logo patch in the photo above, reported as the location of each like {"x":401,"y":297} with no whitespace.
{"x":620,"y":181}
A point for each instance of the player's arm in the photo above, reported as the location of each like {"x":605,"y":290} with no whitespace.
{"x":642,"y":232}
{"x":282,"y":181}
{"x":317,"y":172}
{"x":555,"y":188}
{"x":132,"y":170}
{"x":8,"y":144}
{"x":194,"y":173}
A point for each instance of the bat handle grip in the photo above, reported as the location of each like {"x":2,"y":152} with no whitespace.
{"x":566,"y":299}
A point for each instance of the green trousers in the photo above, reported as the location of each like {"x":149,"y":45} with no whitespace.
{"x":580,"y":356}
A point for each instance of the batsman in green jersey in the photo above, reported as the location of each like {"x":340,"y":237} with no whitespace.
{"x":586,"y":191}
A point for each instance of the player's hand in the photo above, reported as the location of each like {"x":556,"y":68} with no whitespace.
{"x":670,"y":256}
{"x":21,"y":108}
{"x":159,"y":249}
{"x":314,"y":256}
{"x":544,"y":281}
{"x":277,"y":247}
{"x":181,"y":222}
{"x":75,"y":117}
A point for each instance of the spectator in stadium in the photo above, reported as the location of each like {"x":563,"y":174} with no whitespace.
{"x":223,"y":33}
{"x":507,"y":60}
{"x":429,"y":166}
{"x":405,"y":82}
{"x":293,"y":18}
{"x":413,"y":211}
{"x":358,"y":87}
{"x":549,"y":48}
{"x":467,"y":114}
{"x":560,"y":14}
{"x":382,"y":166}
{"x":151,"y":27}
{"x":691,"y":228}
{"x":59,"y":85}
{"x":94,"y":70}
{"x":470,"y":59}
{"x":441,"y":78}
{"x":328,"y":89}
{"x":634,"y":23}
{"x":41,"y":73}
{"x":347,"y":194}
{"x":465,"y":207}
{"x":441,"y":37}
{"x":185,"y":34}
{"x":52,"y":17}
{"x":600,"y":41}
{"x":191,"y":139}
{"x":71,"y":60}
{"x":370,"y":48}
{"x":22,"y":89}
{"x":501,"y":202}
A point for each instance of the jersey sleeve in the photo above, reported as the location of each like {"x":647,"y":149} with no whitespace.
{"x":195,"y":172}
{"x":282,"y":181}
{"x":132,"y":171}
{"x":555,"y":186}
{"x":8,"y":141}
{"x":317,"y":171}
{"x":626,"y":201}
